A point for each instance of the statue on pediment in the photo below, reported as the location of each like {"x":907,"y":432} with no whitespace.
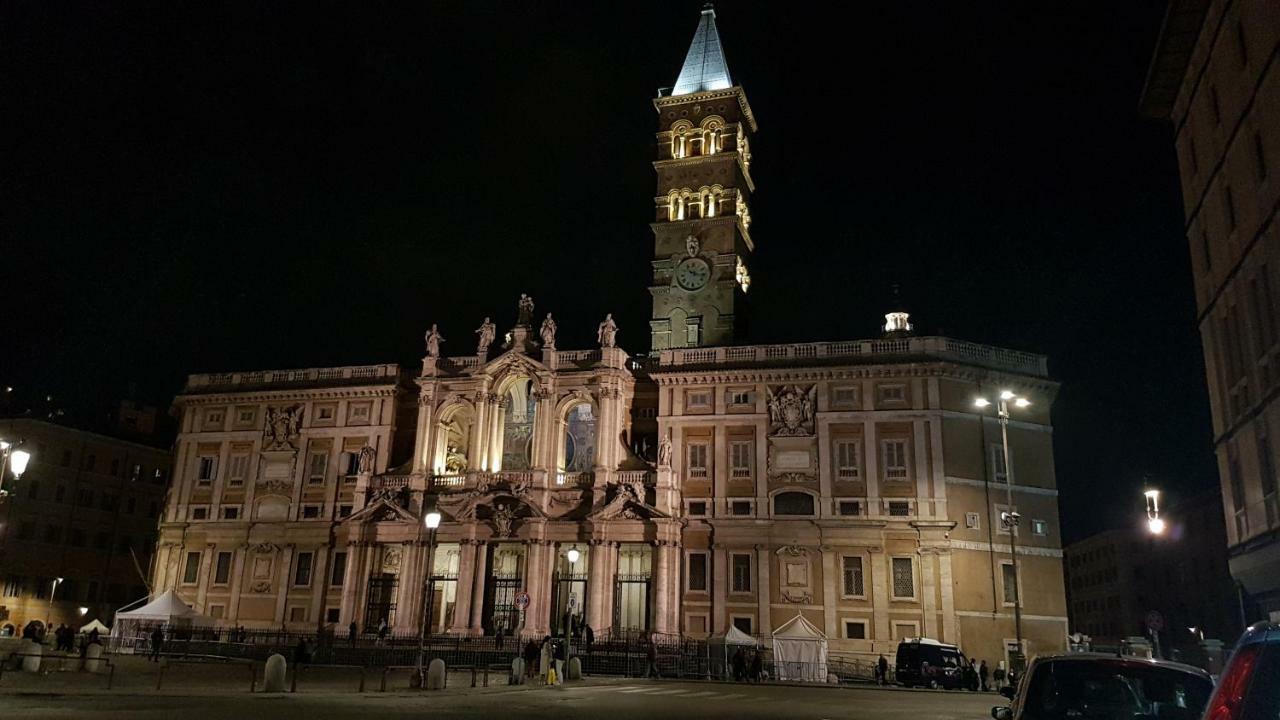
{"x":548,"y":333}
{"x":524,"y":310}
{"x":434,"y":338}
{"x":487,"y":332}
{"x":607,"y":332}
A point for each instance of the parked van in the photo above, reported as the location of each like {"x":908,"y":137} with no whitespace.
{"x":926,"y":662}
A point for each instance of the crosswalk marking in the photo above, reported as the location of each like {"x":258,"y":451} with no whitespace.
{"x":676,"y":691}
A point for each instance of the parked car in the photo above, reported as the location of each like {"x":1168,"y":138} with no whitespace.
{"x":1098,"y":686}
{"x":1250,"y":686}
{"x":922,"y":661}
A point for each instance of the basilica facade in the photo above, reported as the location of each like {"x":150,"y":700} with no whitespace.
{"x":700,"y":486}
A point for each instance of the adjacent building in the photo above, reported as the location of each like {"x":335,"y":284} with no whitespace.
{"x":78,"y":529}
{"x":1214,"y":76}
{"x":1116,"y":579}
{"x":697,"y":487}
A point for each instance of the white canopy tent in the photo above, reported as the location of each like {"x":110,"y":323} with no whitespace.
{"x":95,"y":624}
{"x":800,"y":651}
{"x":167,"y":610}
{"x":721,"y":649}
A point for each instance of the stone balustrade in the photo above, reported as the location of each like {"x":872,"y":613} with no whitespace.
{"x":336,"y":375}
{"x":941,"y":348}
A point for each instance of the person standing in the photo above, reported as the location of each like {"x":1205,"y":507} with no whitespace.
{"x":530,"y":658}
{"x":999,"y":675}
{"x":882,"y":671}
{"x":351,"y":633}
{"x":651,"y":655}
{"x":589,"y":634}
{"x":382,"y":631}
{"x":739,"y":665}
{"x":983,"y":673}
{"x":559,"y":659}
{"x":757,"y":666}
{"x":157,"y":641}
{"x":497,"y":639}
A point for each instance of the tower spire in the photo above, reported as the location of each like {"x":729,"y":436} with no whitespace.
{"x":704,"y":66}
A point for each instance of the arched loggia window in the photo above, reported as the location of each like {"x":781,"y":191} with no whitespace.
{"x":579,"y":452}
{"x":518,"y":410}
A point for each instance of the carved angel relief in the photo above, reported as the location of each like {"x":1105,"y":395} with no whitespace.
{"x":282,"y":425}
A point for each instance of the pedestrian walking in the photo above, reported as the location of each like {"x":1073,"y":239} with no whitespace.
{"x":757,"y":666}
{"x":589,"y":634}
{"x":530,"y":658}
{"x":983,"y":673}
{"x":651,"y":654}
{"x":157,"y":641}
{"x":558,"y":654}
{"x":882,"y":671}
{"x":497,"y":640}
{"x":739,"y":664}
{"x":382,"y":631}
{"x":302,"y":653}
{"x":999,"y":675}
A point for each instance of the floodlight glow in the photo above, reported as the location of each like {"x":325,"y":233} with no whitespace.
{"x":1022,"y":402}
{"x":982,"y":402}
{"x":1156,"y":526}
{"x":433,"y":520}
{"x":1006,"y":395}
{"x":18,"y":460}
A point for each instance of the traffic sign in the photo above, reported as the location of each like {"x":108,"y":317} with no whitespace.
{"x":522,"y":600}
{"x":573,"y":601}
{"x":1155,"y":621}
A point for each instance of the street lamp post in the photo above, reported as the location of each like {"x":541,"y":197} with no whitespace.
{"x":432,"y":522}
{"x":14,"y":459}
{"x":572,"y":556}
{"x":1008,"y":517}
{"x":1155,"y":524}
{"x":52,"y":591}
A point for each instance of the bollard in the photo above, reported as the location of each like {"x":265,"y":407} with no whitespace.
{"x":31,"y":651}
{"x":93,"y":659}
{"x":436,"y":673}
{"x":574,"y":669}
{"x":273,"y":675}
{"x":517,"y":672}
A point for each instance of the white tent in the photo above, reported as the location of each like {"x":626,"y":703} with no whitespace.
{"x":800,"y":651}
{"x":95,"y":624}
{"x":721,"y":649}
{"x":133,"y":627}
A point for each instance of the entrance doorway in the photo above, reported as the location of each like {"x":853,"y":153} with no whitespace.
{"x":631,"y":587}
{"x":505,"y":581}
{"x":381,"y":603}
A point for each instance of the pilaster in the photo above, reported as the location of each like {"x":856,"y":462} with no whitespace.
{"x":764,"y":594}
{"x":480,"y":578}
{"x":466,"y":580}
{"x":880,"y":594}
{"x":829,"y":595}
{"x":719,"y":587}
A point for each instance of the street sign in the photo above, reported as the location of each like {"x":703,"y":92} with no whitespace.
{"x":522,"y":600}
{"x":573,"y":601}
{"x":1155,"y":621}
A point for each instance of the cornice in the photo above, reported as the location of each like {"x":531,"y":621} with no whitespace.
{"x":284,"y":395}
{"x":679,"y":375}
{"x":735,"y":92}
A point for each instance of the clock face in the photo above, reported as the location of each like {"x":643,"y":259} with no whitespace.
{"x":693,"y":273}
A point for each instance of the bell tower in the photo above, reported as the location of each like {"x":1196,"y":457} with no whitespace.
{"x":701,"y":231}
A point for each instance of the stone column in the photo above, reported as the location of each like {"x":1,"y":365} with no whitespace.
{"x":368,"y":552}
{"x":720,"y":468}
{"x":478,"y":455}
{"x":206,"y":575}
{"x":764,"y":594}
{"x":830,"y":575}
{"x":880,"y":594}
{"x":928,"y":592}
{"x":478,"y":583}
{"x":422,"y":452}
{"x":285,"y":582}
{"x":408,"y":590}
{"x":596,"y":568}
{"x":350,"y":583}
{"x":534,"y":584}
{"x":871,"y":453}
{"x":466,"y":579}
{"x":825,"y":464}
{"x":237,"y":572}
{"x":949,"y":625}
{"x":662,"y":587}
{"x":320,"y":584}
{"x":920,"y":466}
{"x":719,"y":587}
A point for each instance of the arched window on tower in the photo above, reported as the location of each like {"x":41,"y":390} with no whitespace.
{"x":518,"y":411}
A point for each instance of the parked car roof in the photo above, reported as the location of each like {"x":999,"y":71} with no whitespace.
{"x":1112,"y":657}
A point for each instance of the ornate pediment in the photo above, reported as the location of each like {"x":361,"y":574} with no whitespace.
{"x":791,"y":410}
{"x":380,"y":510}
{"x":514,"y":361}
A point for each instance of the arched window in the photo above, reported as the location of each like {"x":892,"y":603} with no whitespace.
{"x":793,"y":503}
{"x":452,"y":452}
{"x":709,"y":203}
{"x":518,"y":412}
{"x":675,"y":206}
{"x":580,"y":438}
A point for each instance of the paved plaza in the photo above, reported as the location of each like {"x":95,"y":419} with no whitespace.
{"x":195,"y":697}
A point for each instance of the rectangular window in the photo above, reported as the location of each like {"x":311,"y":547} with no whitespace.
{"x":344,"y":511}
{"x":741,"y":566}
{"x":740,"y":507}
{"x":1039,"y":527}
{"x":855,"y":630}
{"x":298,"y":613}
{"x":894,"y":454}
{"x":899,"y":508}
{"x":311,"y":512}
{"x":850,"y":507}
{"x":60,"y":494}
{"x":245,"y":416}
{"x":845,"y":397}
{"x":1010,"y":583}
{"x":740,"y":459}
{"x":995,"y":451}
{"x":739,"y":397}
{"x":359,"y":412}
{"x":222,"y":572}
{"x":316,"y":467}
{"x":700,"y":400}
{"x":697,"y":572}
{"x":697,"y":508}
{"x":1002,"y":517}
{"x":206,"y":469}
{"x":698,"y":454}
{"x":331,"y":615}
{"x":972,"y":521}
{"x":230,"y":513}
{"x":200,"y":513}
{"x":217,"y":612}
{"x":213,"y":420}
{"x":238,"y":470}
{"x":892,"y":393}
{"x":904,"y":582}
{"x":302,"y":569}
{"x":191,"y":573}
{"x":742,"y":623}
{"x":339,"y":570}
{"x":853,"y":576}
{"x":848,"y":465}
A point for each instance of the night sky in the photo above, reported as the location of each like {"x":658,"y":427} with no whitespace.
{"x":193,"y":187}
